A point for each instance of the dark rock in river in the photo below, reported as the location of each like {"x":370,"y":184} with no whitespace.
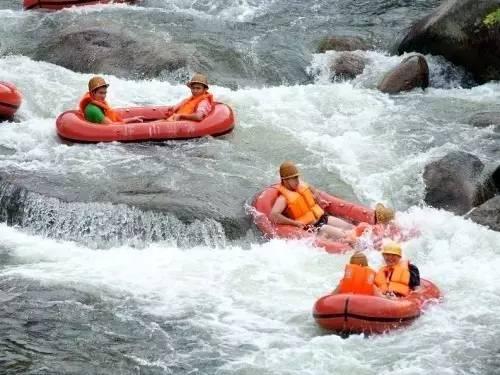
{"x":457,"y":183}
{"x":488,"y":214}
{"x":111,"y":52}
{"x":484,"y":119}
{"x":342,"y":43}
{"x":412,"y":72}
{"x":347,"y":65}
{"x":466,"y":32}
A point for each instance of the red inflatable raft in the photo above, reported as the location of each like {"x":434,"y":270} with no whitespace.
{"x":72,"y":126}
{"x":60,"y":4}
{"x":264,"y":202}
{"x":356,"y":313}
{"x":10,"y":100}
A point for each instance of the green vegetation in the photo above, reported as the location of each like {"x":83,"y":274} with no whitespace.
{"x":492,"y":18}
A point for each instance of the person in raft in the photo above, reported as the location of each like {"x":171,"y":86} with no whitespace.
{"x":94,"y":107}
{"x":300,"y":205}
{"x":196,"y":107}
{"x":358,"y":278}
{"x":397,"y":277}
{"x":384,"y":227}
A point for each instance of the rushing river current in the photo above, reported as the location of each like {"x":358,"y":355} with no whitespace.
{"x":142,"y":259}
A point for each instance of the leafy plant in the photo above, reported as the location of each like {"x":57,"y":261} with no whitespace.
{"x":492,"y":18}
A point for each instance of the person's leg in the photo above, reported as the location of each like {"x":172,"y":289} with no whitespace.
{"x":339,"y":223}
{"x":331,"y":233}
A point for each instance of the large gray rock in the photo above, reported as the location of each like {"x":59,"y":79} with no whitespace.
{"x":342,"y":43}
{"x":111,"y":52}
{"x":412,"y":72}
{"x":484,"y":119}
{"x":457,"y":183}
{"x":347,"y":65}
{"x":459,"y":30}
{"x":488,"y":214}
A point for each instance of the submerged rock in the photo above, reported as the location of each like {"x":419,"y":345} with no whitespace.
{"x":342,"y":43}
{"x":347,"y":65}
{"x":412,"y":72}
{"x":457,"y":183}
{"x":466,"y":32}
{"x":488,"y":214}
{"x":111,"y":52}
{"x":484,"y":119}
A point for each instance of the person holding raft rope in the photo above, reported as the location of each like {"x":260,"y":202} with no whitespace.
{"x":197,"y":106}
{"x":397,"y":278}
{"x":300,"y":205}
{"x":94,"y":107}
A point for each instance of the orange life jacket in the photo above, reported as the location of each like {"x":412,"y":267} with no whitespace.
{"x":357,"y":279}
{"x":108,"y":111}
{"x":394,"y":279}
{"x":301,"y":205}
{"x":190,"y":105}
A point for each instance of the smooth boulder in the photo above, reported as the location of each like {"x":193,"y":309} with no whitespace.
{"x":457,"y":183}
{"x":342,"y":43}
{"x":411,"y":73}
{"x":466,"y":32}
{"x":347,"y":65}
{"x":488,"y":214}
{"x":112,"y":52}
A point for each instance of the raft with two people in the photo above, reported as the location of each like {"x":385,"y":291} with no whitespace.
{"x":10,"y":100}
{"x":366,"y":301}
{"x":363,"y":217}
{"x":95,"y":121}
{"x":347,"y":313}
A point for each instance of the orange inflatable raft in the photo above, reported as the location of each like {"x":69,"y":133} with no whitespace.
{"x":60,"y":4}
{"x":10,"y":100}
{"x":357,"y":313}
{"x":337,"y":207}
{"x":72,"y":126}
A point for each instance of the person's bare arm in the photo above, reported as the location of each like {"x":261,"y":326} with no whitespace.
{"x":106,"y":121}
{"x":317,"y":197}
{"x":277,"y":216}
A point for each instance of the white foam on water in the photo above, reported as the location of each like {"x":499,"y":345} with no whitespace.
{"x":263,"y":296}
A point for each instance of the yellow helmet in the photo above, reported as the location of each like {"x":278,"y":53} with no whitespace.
{"x":392,"y":248}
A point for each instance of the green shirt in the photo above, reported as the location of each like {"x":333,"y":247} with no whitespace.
{"x":94,"y":114}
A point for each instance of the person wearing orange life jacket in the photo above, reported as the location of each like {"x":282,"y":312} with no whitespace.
{"x":397,"y":277}
{"x":94,"y":107}
{"x":299,"y":204}
{"x":358,"y":278}
{"x":196,"y":107}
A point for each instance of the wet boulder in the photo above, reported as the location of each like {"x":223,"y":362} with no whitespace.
{"x":411,"y":73}
{"x":342,"y":43}
{"x":347,"y":65}
{"x":457,"y":183}
{"x":485,"y":119}
{"x":488,"y":214}
{"x":466,"y":32}
{"x":111,"y":52}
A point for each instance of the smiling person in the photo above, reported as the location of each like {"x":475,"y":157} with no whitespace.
{"x":94,"y":107}
{"x":300,"y":205}
{"x":196,"y":107}
{"x":397,"y":277}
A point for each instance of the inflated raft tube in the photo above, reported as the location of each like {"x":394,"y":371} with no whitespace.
{"x":356,"y":313}
{"x":60,"y":4}
{"x":10,"y":100}
{"x":72,"y":126}
{"x":337,"y":207}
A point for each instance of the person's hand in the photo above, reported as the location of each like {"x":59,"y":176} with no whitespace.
{"x":176,"y":117}
{"x":300,"y":225}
